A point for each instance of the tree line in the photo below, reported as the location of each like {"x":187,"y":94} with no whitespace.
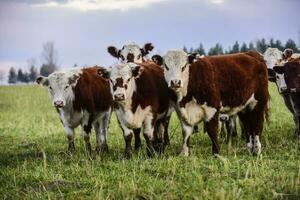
{"x":260,"y":45}
{"x":49,"y":65}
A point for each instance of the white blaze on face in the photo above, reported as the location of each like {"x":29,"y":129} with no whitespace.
{"x":175,"y":68}
{"x":60,"y":85}
{"x":272,"y":56}
{"x":280,"y":82}
{"x":131,"y":50}
{"x":121,"y":80}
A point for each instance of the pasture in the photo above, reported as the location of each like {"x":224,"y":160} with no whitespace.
{"x":34,"y":165}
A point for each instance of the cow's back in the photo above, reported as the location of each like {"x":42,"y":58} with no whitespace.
{"x":238,"y":76}
{"x":92,"y":92}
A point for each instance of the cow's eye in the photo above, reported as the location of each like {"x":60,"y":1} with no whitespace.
{"x":122,"y":57}
{"x":139,"y":56}
{"x":128,"y":80}
{"x":183,"y":68}
{"x":50,"y":87}
{"x":166,"y":67}
{"x":66,"y":86}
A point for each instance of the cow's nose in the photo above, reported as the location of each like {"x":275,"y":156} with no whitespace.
{"x":59,"y":104}
{"x":283,"y":89}
{"x":293,"y":90}
{"x":130,"y":57}
{"x":175,"y":83}
{"x":119,"y":97}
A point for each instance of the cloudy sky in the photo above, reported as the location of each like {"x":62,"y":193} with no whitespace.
{"x":82,"y":29}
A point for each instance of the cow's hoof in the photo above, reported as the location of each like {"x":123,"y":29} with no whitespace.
{"x":249,"y":147}
{"x":128,"y":154}
{"x":185,"y":152}
{"x":150,"y":152}
{"x":137,"y":146}
{"x":101,"y":150}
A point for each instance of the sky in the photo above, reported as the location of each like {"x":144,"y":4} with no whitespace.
{"x":82,"y":29}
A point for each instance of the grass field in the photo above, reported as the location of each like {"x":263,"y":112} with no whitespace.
{"x":34,"y":165}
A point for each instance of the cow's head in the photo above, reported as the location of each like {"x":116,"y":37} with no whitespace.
{"x":289,"y":76}
{"x":175,"y":64}
{"x":122,"y":80}
{"x":273,"y":56}
{"x":287,"y":54}
{"x":60,"y":86}
{"x":130,"y":52}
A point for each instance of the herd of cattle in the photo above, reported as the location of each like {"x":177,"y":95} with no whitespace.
{"x":143,"y":93}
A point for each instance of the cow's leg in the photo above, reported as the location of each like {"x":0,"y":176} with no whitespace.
{"x":166,"y":132}
{"x":196,"y":129}
{"x":212,"y":130}
{"x":231,"y":128}
{"x":245,"y":121}
{"x":137,"y":139}
{"x":298,"y":127}
{"x":70,"y":135}
{"x":87,"y":120}
{"x":149,"y":123}
{"x":101,"y":134}
{"x":128,"y":134}
{"x":187,"y":131}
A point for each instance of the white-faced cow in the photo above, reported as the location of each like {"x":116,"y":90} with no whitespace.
{"x":288,"y":83}
{"x":231,"y":84}
{"x":141,"y":99}
{"x":131,"y":52}
{"x":81,"y":97}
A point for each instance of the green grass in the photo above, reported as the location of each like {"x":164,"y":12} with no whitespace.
{"x":34,"y":165}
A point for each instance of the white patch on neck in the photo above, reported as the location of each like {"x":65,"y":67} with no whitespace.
{"x":193,"y":112}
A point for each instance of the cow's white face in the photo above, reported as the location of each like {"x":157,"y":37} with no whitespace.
{"x":273,"y":56}
{"x":60,"y":86}
{"x":122,"y":80}
{"x":175,"y":68}
{"x":280,"y":82}
{"x":131,"y":53}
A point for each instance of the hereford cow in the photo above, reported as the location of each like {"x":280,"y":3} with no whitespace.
{"x":81,"y":97}
{"x":288,"y":83}
{"x":131,"y":52}
{"x":141,"y":98}
{"x":229,"y":84}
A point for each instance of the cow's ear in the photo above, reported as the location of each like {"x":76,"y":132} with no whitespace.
{"x":42,"y":80}
{"x":192,"y":57}
{"x":74,"y":79}
{"x":271,"y":75}
{"x":113,"y":51}
{"x":137,"y":71}
{"x":104,"y":73}
{"x":279,"y":69}
{"x":147,"y":48}
{"x":158,"y":59}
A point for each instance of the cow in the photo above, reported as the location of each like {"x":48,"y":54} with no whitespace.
{"x":274,"y":56}
{"x":133,"y":53}
{"x":229,"y":84}
{"x":141,"y":100}
{"x":287,"y":78}
{"x":81,"y":98}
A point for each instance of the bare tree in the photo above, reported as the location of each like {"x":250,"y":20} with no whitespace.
{"x":49,"y":59}
{"x":2,"y":76}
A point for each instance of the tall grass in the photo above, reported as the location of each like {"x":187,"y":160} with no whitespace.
{"x":34,"y":165}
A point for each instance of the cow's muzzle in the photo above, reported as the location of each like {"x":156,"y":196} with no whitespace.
{"x":119,"y":97}
{"x":293,"y":90}
{"x":283,"y":90}
{"x":175,"y":83}
{"x":58,"y":104}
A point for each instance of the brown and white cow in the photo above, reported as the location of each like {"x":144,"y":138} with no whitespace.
{"x":131,"y":52}
{"x":81,"y":98}
{"x":230,"y":84}
{"x":141,"y":100}
{"x":288,"y":83}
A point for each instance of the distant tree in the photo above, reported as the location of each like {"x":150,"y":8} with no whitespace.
{"x":200,"y":50}
{"x":32,"y":74}
{"x":191,"y":50}
{"x":278,"y":45}
{"x":75,"y":65}
{"x":216,"y":50}
{"x":12,"y":76}
{"x":261,"y":45}
{"x":2,"y":76}
{"x":244,"y":47}
{"x":235,"y":47}
{"x":251,"y":46}
{"x":185,"y":49}
{"x":20,"y":76}
{"x":272,"y":43}
{"x":291,"y":44}
{"x":50,"y":59}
